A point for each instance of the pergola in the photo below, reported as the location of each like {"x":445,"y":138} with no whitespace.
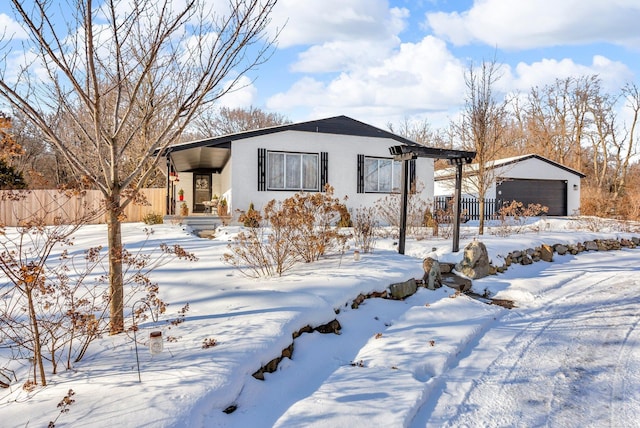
{"x":456,"y":157}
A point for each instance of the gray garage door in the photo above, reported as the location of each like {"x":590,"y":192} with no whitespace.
{"x":549,"y":193}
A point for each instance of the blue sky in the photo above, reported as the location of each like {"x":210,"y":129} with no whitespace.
{"x":381,"y":61}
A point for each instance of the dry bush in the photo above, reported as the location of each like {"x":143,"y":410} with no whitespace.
{"x":388,"y":209}
{"x":312,"y":216}
{"x":257,"y":253}
{"x":301,"y":228}
{"x":513,"y":217}
{"x":597,"y":202}
{"x":55,"y":301}
{"x":153,"y":218}
{"x":251,"y":217}
{"x":365,"y":223}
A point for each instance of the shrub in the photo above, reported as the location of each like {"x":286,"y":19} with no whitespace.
{"x":250,"y":218}
{"x":388,"y":209}
{"x":311,"y":215}
{"x":365,"y":224}
{"x":513,"y":217}
{"x":256,"y":253}
{"x":300,"y":229}
{"x":153,"y":218}
{"x":345,"y":217}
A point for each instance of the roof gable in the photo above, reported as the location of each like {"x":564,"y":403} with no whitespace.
{"x":448,"y":173}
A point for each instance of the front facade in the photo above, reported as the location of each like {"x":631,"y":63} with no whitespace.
{"x":530,"y":179}
{"x":275,"y":163}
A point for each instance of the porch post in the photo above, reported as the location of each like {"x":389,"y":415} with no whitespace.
{"x":457,"y":201}
{"x":404,"y":191}
{"x":169,"y":184}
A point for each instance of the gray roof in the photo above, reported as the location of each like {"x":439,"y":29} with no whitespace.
{"x":213,"y":153}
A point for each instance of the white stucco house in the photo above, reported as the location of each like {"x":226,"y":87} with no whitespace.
{"x":530,"y":179}
{"x":275,"y":163}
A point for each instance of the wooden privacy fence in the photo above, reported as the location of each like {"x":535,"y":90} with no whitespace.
{"x":54,"y":204}
{"x":470,"y":207}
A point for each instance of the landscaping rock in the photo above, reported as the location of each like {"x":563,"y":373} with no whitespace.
{"x":591,"y":246}
{"x":432,"y":277}
{"x":475,"y":263}
{"x":561,"y":249}
{"x":446,"y":267}
{"x":546,"y":253}
{"x":403,"y":289}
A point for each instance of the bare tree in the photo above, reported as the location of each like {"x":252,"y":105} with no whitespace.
{"x":419,"y":131}
{"x":482,"y":127}
{"x":224,"y":121}
{"x":10,"y":178}
{"x":559,"y":116}
{"x":627,"y":148}
{"x":123,"y":80}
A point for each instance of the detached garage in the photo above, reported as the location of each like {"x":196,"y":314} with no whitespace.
{"x":549,"y":193}
{"x":530,"y":179}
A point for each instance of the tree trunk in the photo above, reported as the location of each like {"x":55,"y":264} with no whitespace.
{"x":37,"y":348}
{"x":114,"y":238}
{"x":481,"y":215}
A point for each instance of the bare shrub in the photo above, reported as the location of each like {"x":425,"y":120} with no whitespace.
{"x":312,"y":216}
{"x":365,"y":223}
{"x":262,"y":252}
{"x":55,"y":301}
{"x":388,"y":209}
{"x":300,"y":228}
{"x":513,"y":217}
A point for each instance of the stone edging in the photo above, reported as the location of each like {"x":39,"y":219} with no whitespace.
{"x":545,"y":252}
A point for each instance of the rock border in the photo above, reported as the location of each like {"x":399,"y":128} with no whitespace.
{"x":545,"y":252}
{"x":330,"y":327}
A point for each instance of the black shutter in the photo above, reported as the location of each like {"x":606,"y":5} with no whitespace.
{"x":262,"y":170}
{"x":324,"y":170}
{"x":360,"y":187}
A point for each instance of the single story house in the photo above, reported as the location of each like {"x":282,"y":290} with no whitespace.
{"x":276,"y":162}
{"x":530,"y":179}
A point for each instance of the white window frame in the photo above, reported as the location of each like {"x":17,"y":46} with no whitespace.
{"x":377,"y":184}
{"x":273,"y":185}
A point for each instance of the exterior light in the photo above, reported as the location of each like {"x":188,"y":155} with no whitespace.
{"x":155,"y":342}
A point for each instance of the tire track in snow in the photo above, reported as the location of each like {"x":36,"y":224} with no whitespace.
{"x":507,"y":371}
{"x":621,"y":391}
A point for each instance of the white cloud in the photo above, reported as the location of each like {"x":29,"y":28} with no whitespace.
{"x":318,"y":21}
{"x":10,"y":29}
{"x":338,"y":34}
{"x":416,"y":78}
{"x":525,"y":76}
{"x":244,"y":95}
{"x":539,"y":23}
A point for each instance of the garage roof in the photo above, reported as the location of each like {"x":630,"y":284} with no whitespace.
{"x":448,"y":173}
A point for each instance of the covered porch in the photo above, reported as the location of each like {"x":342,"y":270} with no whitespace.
{"x":199,"y":180}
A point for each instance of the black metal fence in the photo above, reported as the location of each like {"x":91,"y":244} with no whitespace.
{"x":470,"y":208}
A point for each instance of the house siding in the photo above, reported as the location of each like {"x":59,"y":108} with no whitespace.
{"x":342,"y":156}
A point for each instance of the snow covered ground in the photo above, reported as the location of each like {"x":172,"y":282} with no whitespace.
{"x":568,"y":355}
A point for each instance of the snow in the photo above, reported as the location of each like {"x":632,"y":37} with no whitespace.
{"x":567,"y":355}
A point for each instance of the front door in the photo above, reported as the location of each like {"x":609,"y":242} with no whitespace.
{"x":201,"y":191}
